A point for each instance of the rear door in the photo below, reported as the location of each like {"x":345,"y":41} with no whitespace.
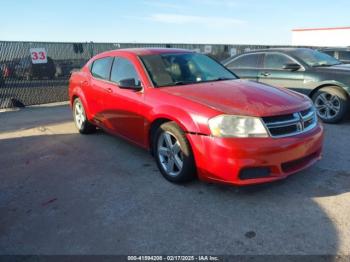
{"x":272,"y":72}
{"x":246,"y":66}
{"x":98,"y":86}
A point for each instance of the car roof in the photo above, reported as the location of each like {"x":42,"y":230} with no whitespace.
{"x":335,"y":49}
{"x":147,"y":51}
{"x":279,"y":49}
{"x":286,"y":50}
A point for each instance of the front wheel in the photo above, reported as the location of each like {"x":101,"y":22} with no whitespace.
{"x":331,"y":104}
{"x":80,"y":119}
{"x":173,"y":153}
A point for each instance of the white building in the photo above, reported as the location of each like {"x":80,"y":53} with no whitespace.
{"x":331,"y":37}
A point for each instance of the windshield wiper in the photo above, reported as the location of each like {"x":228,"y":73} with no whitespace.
{"x":321,"y":65}
{"x":180,"y":83}
{"x":220,"y":79}
{"x":326,"y":65}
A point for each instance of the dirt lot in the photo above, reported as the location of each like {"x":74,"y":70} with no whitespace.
{"x":65,"y":193}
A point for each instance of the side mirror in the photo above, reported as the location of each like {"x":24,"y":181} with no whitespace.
{"x":130,"y":83}
{"x":291,"y":67}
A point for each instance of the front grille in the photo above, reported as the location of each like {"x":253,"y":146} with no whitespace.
{"x":291,"y":124}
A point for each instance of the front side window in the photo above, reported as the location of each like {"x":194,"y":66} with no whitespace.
{"x":184,"y":68}
{"x":276,"y":61}
{"x":101,"y":68}
{"x":246,"y":61}
{"x":123,"y":69}
{"x":331,"y":53}
{"x":344,"y":55}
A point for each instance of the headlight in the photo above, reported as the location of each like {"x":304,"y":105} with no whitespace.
{"x":237,"y":126}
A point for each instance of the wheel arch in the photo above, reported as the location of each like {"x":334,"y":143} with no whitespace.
{"x":187,"y":124}
{"x":75,"y":96}
{"x":344,"y":89}
{"x":153,"y":129}
{"x":79,"y":94}
{"x":157,"y":122}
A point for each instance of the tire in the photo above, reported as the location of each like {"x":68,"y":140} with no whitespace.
{"x":170,"y":154}
{"x":331,"y":104}
{"x":80,"y":119}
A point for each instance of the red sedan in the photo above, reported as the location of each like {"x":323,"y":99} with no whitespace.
{"x":196,"y":117}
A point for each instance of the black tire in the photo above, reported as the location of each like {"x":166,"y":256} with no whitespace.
{"x":85,"y":127}
{"x":188,"y":171}
{"x":341,"y":102}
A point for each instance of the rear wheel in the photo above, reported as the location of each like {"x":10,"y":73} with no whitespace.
{"x":331,"y":104}
{"x":173,"y":153}
{"x":80,"y":119}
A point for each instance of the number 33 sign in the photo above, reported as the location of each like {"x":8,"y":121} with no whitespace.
{"x":38,"y":55}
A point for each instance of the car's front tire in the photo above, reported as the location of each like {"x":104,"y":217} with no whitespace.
{"x":81,"y":122}
{"x":173,"y":153}
{"x":331,"y":103}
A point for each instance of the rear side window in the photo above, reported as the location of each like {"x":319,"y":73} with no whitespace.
{"x":101,"y":68}
{"x":124,"y":69}
{"x":276,"y":61}
{"x":246,"y":61}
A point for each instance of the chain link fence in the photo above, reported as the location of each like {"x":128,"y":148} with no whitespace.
{"x":38,"y":72}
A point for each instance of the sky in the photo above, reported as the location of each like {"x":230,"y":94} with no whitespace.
{"x":257,"y":22}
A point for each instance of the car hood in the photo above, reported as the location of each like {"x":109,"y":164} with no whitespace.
{"x":242,"y":97}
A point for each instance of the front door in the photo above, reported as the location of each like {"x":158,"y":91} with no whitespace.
{"x":123,"y":107}
{"x":272,"y":72}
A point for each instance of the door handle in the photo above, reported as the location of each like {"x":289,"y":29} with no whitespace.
{"x":265,"y":74}
{"x":84,"y":83}
{"x":109,"y":90}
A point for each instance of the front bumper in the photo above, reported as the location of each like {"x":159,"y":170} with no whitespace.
{"x":225,"y":159}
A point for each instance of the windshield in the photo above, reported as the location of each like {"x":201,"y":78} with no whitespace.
{"x":315,"y":58}
{"x":185,"y":68}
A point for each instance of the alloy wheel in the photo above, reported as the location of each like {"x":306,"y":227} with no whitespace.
{"x":327,"y":105}
{"x":79,"y":115}
{"x":170,"y":154}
